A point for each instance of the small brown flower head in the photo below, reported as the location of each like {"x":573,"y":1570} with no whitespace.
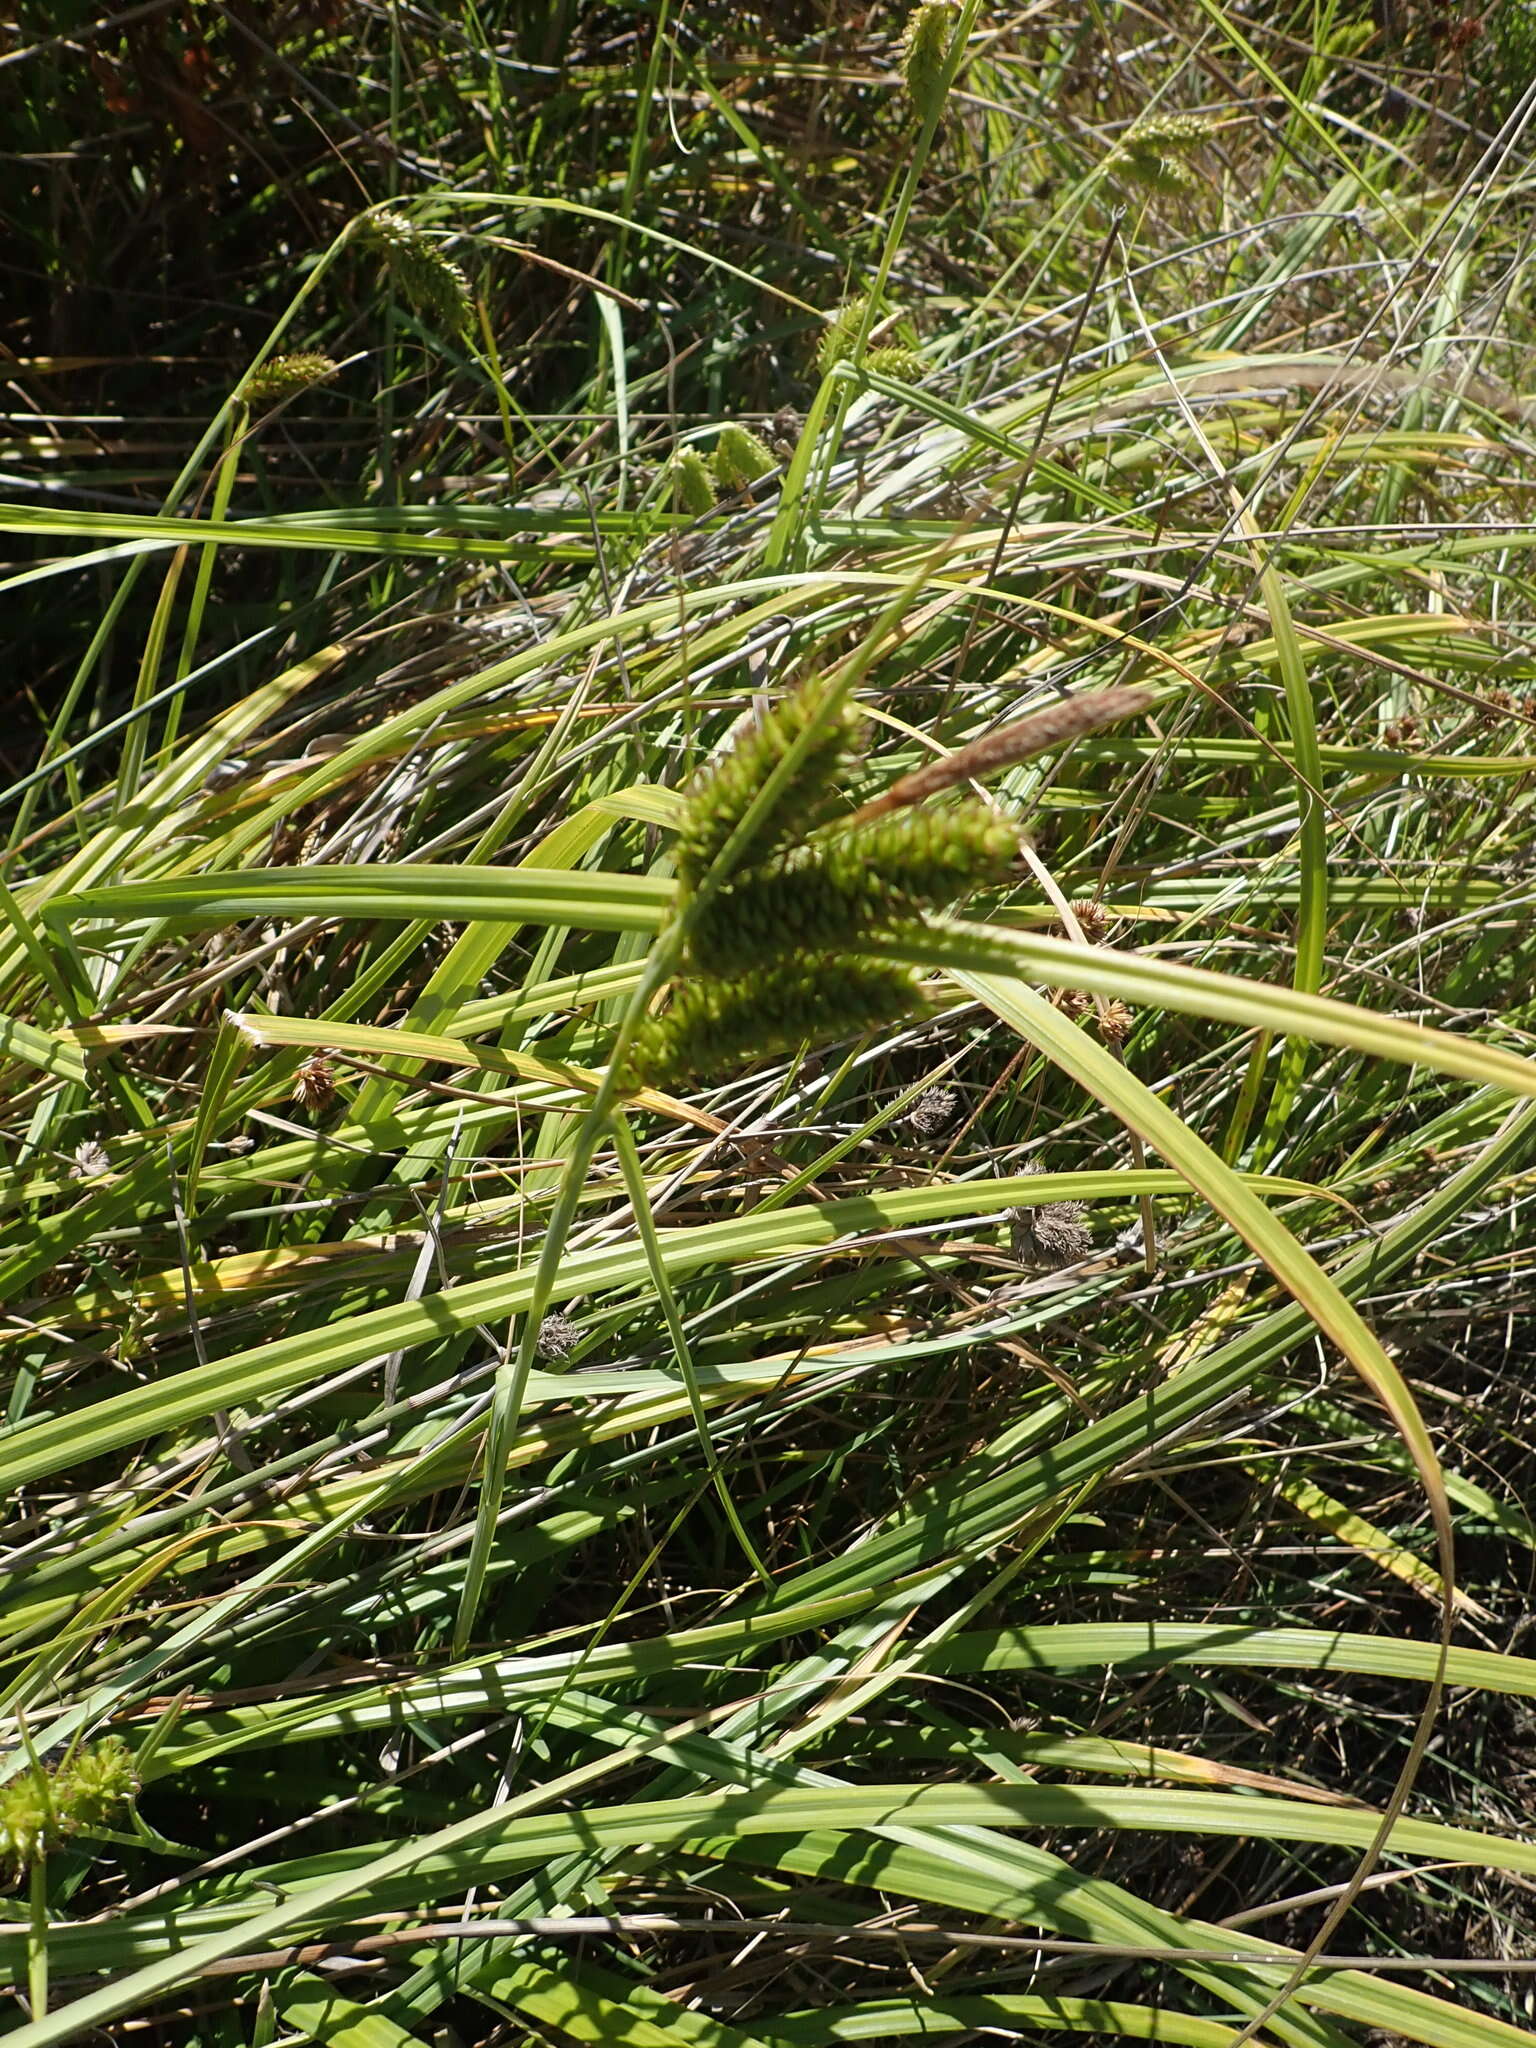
{"x":784,"y":432}
{"x":1114,"y":1020}
{"x":282,"y":376}
{"x":315,"y":1082}
{"x":558,"y":1335}
{"x":91,"y":1160}
{"x":1049,"y":1235}
{"x":933,"y":1110}
{"x":1093,"y":919}
{"x":1493,"y":705}
{"x":1072,"y":1002}
{"x":1403,"y":733}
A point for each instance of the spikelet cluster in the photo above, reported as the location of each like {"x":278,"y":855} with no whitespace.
{"x":692,"y":485}
{"x":721,"y":799}
{"x":430,"y":281}
{"x":773,"y":948}
{"x":905,"y":364}
{"x":839,"y":337}
{"x":841,"y":333}
{"x":932,"y":1112}
{"x":851,"y":885}
{"x":284,"y":375}
{"x":42,"y":1809}
{"x":740,"y":458}
{"x":714,"y":1023}
{"x":924,"y":52}
{"x":1155,"y":152}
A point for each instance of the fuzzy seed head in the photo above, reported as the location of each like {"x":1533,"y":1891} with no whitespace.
{"x":904,"y":364}
{"x":1114,"y":1020}
{"x":713,"y":1025}
{"x":40,"y":1809}
{"x":726,"y":791}
{"x":90,"y":1160}
{"x":693,"y":486}
{"x":284,"y":375}
{"x":558,"y":1335}
{"x":924,"y":50}
{"x":315,"y":1082}
{"x":932,"y":1112}
{"x":838,"y":338}
{"x":845,"y":887}
{"x":431,"y":282}
{"x":741,"y":457}
{"x":98,"y":1787}
{"x":1091,"y":920}
{"x":1155,"y":152}
{"x":1049,"y":1235}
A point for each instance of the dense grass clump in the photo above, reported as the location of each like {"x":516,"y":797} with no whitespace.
{"x":766,"y":1026}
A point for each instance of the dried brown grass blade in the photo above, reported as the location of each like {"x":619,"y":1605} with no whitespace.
{"x":1053,"y":727}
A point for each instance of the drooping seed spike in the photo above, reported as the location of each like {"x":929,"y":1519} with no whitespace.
{"x":712,"y":1026}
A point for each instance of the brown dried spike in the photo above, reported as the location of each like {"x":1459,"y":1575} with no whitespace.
{"x":1052,"y":727}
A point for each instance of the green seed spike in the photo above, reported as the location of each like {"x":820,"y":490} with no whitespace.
{"x":1153,"y":153}
{"x":905,"y":364}
{"x":431,"y":281}
{"x":838,"y":339}
{"x":713,"y":1026}
{"x":924,"y":50}
{"x":725,"y":793}
{"x":741,"y":457}
{"x":851,"y":885}
{"x":29,"y":1827}
{"x":284,"y":375}
{"x":692,"y":485}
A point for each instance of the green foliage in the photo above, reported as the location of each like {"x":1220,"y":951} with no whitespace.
{"x":847,"y":1527}
{"x":1511,"y":33}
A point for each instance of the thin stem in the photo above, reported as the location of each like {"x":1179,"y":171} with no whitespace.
{"x":640,"y":1201}
{"x":37,"y":1939}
